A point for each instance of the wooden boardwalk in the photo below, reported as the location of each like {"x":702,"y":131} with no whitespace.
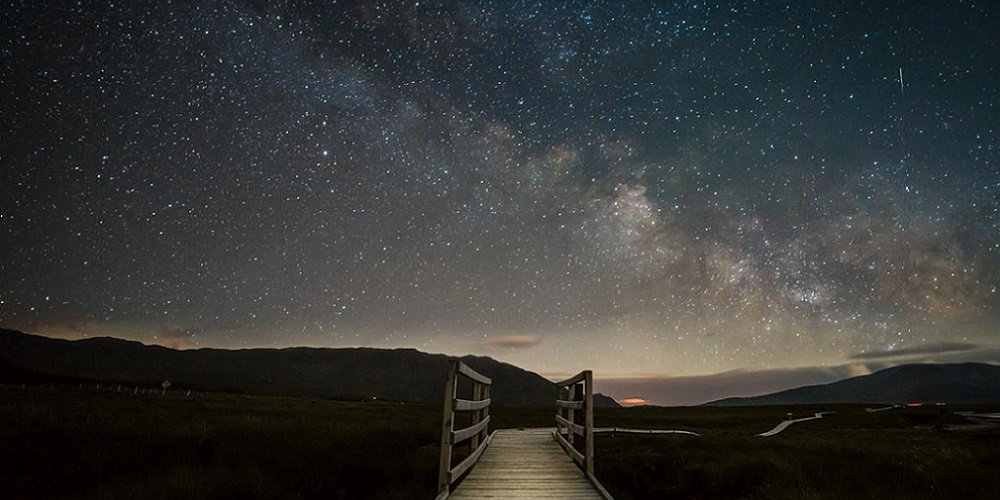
{"x":526,"y":464}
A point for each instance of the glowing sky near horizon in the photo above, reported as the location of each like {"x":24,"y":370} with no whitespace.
{"x":640,"y":188}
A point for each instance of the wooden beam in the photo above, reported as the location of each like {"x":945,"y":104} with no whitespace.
{"x":464,"y":369}
{"x":463,"y":434}
{"x":576,"y":405}
{"x":467,"y":405}
{"x":477,"y":395}
{"x":447,"y":425}
{"x":572,"y":380}
{"x":576,"y":428}
{"x":469,"y":461}
{"x":486,"y":411}
{"x":588,"y":384}
{"x":568,"y":448}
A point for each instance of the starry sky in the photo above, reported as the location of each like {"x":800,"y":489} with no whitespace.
{"x":695,"y":199}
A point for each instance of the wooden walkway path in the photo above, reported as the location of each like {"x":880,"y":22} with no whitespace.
{"x":525,"y":464}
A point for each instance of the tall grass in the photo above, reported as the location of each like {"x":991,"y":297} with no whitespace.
{"x":87,"y":444}
{"x":70,"y":443}
{"x":907,"y":453}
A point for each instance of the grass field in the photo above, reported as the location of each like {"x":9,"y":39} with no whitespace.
{"x":912,"y":453}
{"x":81,"y":443}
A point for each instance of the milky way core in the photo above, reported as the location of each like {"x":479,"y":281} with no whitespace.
{"x":646,"y":189}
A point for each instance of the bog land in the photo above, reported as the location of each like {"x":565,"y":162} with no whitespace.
{"x":77,"y":441}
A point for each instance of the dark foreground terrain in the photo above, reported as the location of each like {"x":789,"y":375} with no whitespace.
{"x":72,"y":442}
{"x":913,"y":453}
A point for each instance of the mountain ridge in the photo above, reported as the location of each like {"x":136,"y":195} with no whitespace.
{"x":403,"y":374}
{"x":901,"y":384}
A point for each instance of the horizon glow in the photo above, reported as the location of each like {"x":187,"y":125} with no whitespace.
{"x":657,"y":192}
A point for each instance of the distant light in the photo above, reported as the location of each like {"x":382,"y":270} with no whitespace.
{"x":634,"y":401}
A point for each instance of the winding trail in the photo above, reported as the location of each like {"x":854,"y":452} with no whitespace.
{"x":784,"y":425}
{"x":625,"y":430}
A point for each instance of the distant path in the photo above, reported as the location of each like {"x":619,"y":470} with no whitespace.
{"x":625,"y":430}
{"x":784,"y":425}
{"x":971,"y":415}
{"x":884,"y":408}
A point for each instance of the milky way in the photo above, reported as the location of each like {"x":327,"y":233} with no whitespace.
{"x":644,"y":188}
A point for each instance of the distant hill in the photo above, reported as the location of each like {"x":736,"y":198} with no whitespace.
{"x":359,"y":374}
{"x":915,"y":383}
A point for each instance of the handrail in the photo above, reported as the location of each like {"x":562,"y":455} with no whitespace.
{"x":576,"y":394}
{"x":476,"y":432}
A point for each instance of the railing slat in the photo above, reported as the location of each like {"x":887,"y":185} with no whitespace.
{"x":568,"y":448}
{"x":463,"y":434}
{"x":469,"y":461}
{"x":576,"y":405}
{"x":464,"y":369}
{"x":466,"y":405}
{"x":576,"y":428}
{"x":575,"y":379}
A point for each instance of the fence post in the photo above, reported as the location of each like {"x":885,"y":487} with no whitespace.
{"x":486,"y":412}
{"x":477,"y":394}
{"x":588,"y":384}
{"x":447,"y":425}
{"x":571,"y":413}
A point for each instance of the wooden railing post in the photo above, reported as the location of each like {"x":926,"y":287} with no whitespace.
{"x":447,"y":426}
{"x":477,"y":433}
{"x":588,"y":384}
{"x":486,"y":411}
{"x":477,"y":394}
{"x":571,"y":413}
{"x":576,"y":394}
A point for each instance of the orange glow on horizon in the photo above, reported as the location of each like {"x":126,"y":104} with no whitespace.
{"x":633,"y":401}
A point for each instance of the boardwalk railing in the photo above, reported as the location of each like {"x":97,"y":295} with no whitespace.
{"x":478,"y":410}
{"x":575,"y":419}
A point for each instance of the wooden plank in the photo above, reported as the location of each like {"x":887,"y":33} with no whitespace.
{"x":463,"y":434}
{"x":447,"y":425}
{"x":525,"y":464}
{"x":576,"y":405}
{"x":473,"y":374}
{"x":572,"y":380}
{"x":588,"y":419}
{"x":477,"y":395}
{"x":468,"y":462}
{"x":576,"y":428}
{"x":575,"y":455}
{"x":467,"y":405}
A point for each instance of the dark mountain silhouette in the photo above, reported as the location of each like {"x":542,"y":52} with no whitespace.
{"x":357,"y":374}
{"x":915,"y":383}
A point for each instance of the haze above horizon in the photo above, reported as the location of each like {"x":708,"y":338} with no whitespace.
{"x":752,"y":193}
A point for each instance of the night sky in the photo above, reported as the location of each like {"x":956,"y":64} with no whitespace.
{"x":685,"y":196}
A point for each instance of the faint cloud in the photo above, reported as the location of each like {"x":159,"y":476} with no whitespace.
{"x":633,"y":401}
{"x":935,"y":348}
{"x":513,"y":341}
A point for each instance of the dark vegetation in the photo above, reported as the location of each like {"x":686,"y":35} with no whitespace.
{"x":71,"y":442}
{"x":329,"y":423}
{"x":915,"y":453}
{"x":68,"y":441}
